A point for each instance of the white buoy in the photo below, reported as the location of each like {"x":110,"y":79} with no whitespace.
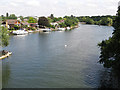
{"x":65,"y":45}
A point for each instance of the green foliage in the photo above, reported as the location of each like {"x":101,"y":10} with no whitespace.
{"x":62,"y":25}
{"x":50,"y":20}
{"x":16,"y":27}
{"x":89,"y":21}
{"x":31,"y":28}
{"x":57,"y":19}
{"x":4,"y":37}
{"x":110,"y":49}
{"x":12,"y":28}
{"x":43,"y":21}
{"x":21,"y":17}
{"x":68,"y":22}
{"x":98,"y":20}
{"x":52,"y":26}
{"x":12,"y":16}
{"x":71,"y":21}
{"x":32,"y":20}
{"x":106,"y":21}
{"x":82,"y":19}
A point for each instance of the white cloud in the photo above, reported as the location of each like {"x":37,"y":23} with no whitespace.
{"x":13,"y":4}
{"x":59,"y":7}
{"x":33,"y":3}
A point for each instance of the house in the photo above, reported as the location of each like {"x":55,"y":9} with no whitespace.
{"x":11,"y":22}
{"x":30,"y":24}
{"x":25,"y":24}
{"x":25,"y":20}
{"x":61,"y":21}
{"x":54,"y":24}
{"x":57,"y":23}
{"x":33,"y":25}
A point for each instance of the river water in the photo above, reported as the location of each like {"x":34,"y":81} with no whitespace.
{"x":41,"y":60}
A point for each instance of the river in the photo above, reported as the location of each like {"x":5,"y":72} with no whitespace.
{"x":41,"y":60}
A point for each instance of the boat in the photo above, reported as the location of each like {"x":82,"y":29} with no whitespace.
{"x":30,"y":31}
{"x":6,"y":55}
{"x":61,"y":29}
{"x":20,"y":32}
{"x":46,"y":30}
{"x":68,"y":28}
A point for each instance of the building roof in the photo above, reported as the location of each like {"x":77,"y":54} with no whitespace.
{"x":11,"y":21}
{"x":25,"y":23}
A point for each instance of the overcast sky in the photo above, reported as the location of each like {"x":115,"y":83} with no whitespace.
{"x":59,"y":7}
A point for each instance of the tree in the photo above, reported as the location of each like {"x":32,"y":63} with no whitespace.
{"x":12,"y":16}
{"x":50,"y":20}
{"x":4,"y":38}
{"x":16,"y":27}
{"x":51,"y":16}
{"x":32,"y":20}
{"x":7,"y":15}
{"x":106,"y":21}
{"x":62,"y":25}
{"x":89,"y":21}
{"x":109,"y":21}
{"x":21,"y":17}
{"x":71,"y":21}
{"x":110,"y":49}
{"x":43,"y":21}
{"x":68,"y":22}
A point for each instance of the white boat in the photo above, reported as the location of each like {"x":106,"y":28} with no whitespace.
{"x":6,"y":55}
{"x":61,"y":29}
{"x":30,"y":31}
{"x":46,"y":30}
{"x":20,"y":32}
{"x":68,"y":28}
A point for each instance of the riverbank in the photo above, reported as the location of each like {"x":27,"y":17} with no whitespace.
{"x":84,"y":23}
{"x":45,"y":29}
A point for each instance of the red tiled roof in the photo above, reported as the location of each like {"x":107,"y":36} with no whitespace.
{"x":11,"y":21}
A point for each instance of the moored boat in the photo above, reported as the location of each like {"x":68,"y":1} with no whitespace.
{"x":19,"y":32}
{"x":61,"y":29}
{"x":46,"y":30}
{"x":5,"y":54}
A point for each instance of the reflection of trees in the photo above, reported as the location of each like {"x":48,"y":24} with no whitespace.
{"x":5,"y":73}
{"x":110,"y":79}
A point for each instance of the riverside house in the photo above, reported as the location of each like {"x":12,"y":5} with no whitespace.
{"x":56,"y":24}
{"x":11,"y":22}
{"x":33,"y":25}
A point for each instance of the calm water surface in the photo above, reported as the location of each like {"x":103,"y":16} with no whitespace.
{"x":41,"y":60}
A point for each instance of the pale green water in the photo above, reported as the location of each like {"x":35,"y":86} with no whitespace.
{"x":41,"y":59}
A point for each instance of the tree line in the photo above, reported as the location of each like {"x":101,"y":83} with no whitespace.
{"x":110,"y":49}
{"x":98,"y":20}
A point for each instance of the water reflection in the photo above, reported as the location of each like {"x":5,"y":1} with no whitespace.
{"x":110,"y":79}
{"x":0,"y":74}
{"x":5,"y":73}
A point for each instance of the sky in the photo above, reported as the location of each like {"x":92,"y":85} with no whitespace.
{"x":59,"y":7}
